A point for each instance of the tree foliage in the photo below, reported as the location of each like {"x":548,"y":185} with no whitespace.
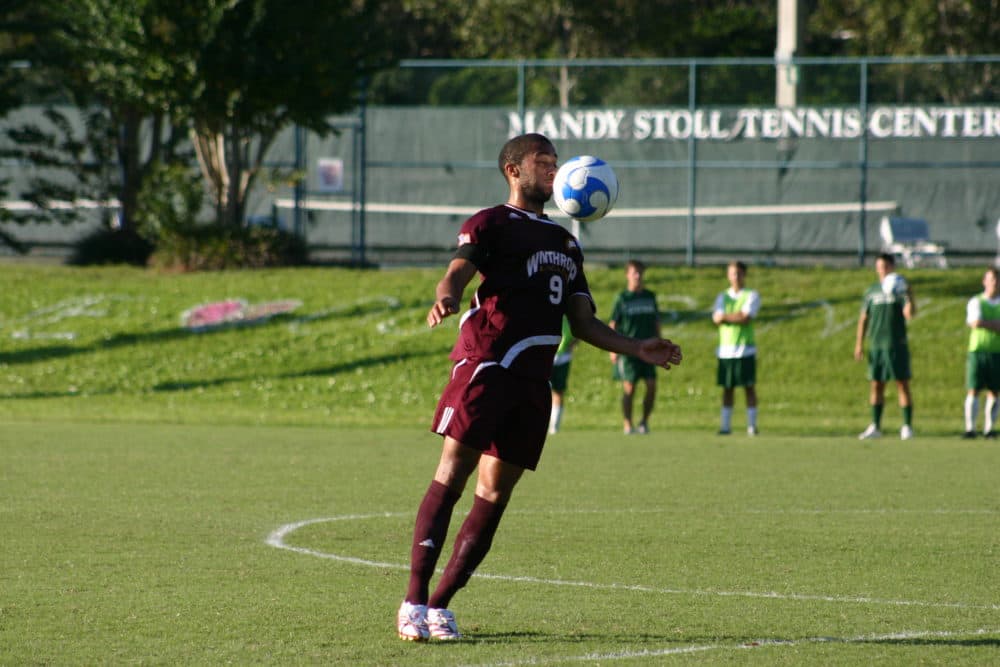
{"x":103,"y":57}
{"x":916,"y":27}
{"x":266,"y":65}
{"x":227,"y":75}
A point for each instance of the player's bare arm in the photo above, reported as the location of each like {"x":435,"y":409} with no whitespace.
{"x":910,"y":307}
{"x":586,"y":327}
{"x":860,"y":337}
{"x":448,"y":294}
{"x":720,"y":317}
{"x":992,"y":325}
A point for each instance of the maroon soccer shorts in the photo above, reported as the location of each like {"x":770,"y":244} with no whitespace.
{"x":496,"y":412}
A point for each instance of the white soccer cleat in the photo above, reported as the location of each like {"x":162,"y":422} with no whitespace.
{"x":441,"y":625}
{"x":906,"y":432}
{"x":752,"y":431}
{"x":870,"y":433}
{"x":411,"y":622}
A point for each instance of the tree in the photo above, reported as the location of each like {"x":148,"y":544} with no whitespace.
{"x":107,"y":61}
{"x":268,"y":64}
{"x":916,"y":27}
{"x":227,"y":75}
{"x":573,"y":29}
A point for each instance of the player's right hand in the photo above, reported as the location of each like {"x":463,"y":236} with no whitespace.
{"x":441,"y":309}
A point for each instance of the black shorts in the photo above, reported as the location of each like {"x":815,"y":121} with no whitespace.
{"x":560,"y":377}
{"x":740,"y":372}
{"x":631,"y":369}
{"x":982,"y":371}
{"x":488,"y":408}
{"x":886,"y":364}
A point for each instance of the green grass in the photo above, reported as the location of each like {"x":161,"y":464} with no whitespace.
{"x":147,"y":544}
{"x":144,"y":468}
{"x":107,"y":345}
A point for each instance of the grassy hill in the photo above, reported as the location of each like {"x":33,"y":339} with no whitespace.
{"x":107,"y":345}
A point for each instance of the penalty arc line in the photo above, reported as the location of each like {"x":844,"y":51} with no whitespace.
{"x":277,"y":538}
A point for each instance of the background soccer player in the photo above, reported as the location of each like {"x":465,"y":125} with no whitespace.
{"x":494,"y":411}
{"x":884,"y":314}
{"x":635,"y":313}
{"x":733,"y":313}
{"x":982,"y":368}
{"x":560,"y":375}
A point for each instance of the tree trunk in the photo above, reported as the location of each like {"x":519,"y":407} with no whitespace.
{"x":131,"y":176}
{"x":210,"y":148}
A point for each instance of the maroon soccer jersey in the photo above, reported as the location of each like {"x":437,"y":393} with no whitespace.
{"x":530,"y":267}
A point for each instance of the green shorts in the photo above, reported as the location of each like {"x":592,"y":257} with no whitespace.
{"x":982,"y":371}
{"x":630,"y":369}
{"x":891,"y":363}
{"x":560,"y":377}
{"x":741,"y":372}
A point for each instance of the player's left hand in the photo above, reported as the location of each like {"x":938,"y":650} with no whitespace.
{"x":661,"y":352}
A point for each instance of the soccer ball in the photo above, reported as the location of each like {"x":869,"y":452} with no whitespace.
{"x":894,"y":284}
{"x":585,"y":188}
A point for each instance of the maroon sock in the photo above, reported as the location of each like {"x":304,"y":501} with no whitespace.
{"x":429,"y":534}
{"x":471,"y":545}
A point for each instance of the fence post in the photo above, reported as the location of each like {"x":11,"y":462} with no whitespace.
{"x":863,"y":159}
{"x":300,"y":183}
{"x":692,"y":181}
{"x":363,"y":170}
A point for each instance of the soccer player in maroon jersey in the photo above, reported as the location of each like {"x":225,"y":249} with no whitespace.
{"x":494,"y":411}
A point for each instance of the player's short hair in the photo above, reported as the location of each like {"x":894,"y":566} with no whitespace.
{"x":887,"y":258}
{"x":516,"y":149}
{"x":740,"y":266}
{"x":636,"y":264}
{"x":995,"y":271}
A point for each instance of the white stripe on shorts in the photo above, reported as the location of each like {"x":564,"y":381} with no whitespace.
{"x":446,"y":416}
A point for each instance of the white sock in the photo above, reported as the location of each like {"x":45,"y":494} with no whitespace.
{"x":555,"y":418}
{"x":752,"y":417}
{"x":971,"y":410}
{"x":990,"y":413}
{"x":727,"y":417}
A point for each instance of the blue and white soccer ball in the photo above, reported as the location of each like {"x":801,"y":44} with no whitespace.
{"x":586,"y":188}
{"x":895,"y":284}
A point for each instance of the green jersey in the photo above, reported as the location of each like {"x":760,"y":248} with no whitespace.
{"x":885,"y":323}
{"x":980,"y":339}
{"x":564,"y":353}
{"x":635,"y":314}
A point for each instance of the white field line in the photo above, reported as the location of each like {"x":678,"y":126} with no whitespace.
{"x":277,"y":540}
{"x":761,"y":643}
{"x":805,"y":307}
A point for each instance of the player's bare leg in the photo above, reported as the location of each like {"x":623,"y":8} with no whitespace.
{"x":751,"y":392}
{"x":648,"y":401}
{"x":628,"y":394}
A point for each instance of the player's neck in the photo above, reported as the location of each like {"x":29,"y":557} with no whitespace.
{"x":525,"y":204}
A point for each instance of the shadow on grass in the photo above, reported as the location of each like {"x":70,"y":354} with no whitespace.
{"x":49,"y":352}
{"x":46,"y":353}
{"x":324,"y":371}
{"x":933,"y":641}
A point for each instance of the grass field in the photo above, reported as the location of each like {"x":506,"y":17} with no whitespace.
{"x":246,"y":495}
{"x":150,"y":544}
